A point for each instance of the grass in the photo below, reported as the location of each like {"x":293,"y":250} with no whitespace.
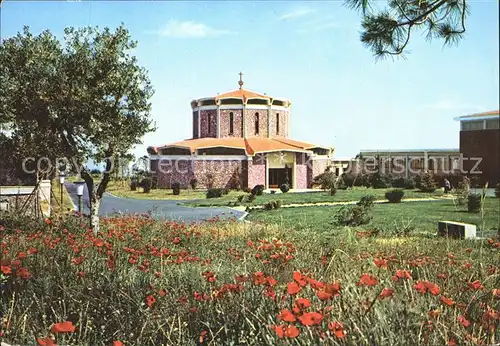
{"x":144,"y":282}
{"x":422,"y":215}
{"x":309,"y":197}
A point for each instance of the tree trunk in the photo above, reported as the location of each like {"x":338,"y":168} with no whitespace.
{"x":94,"y":215}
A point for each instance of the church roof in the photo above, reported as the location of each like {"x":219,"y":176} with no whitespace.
{"x":241,"y":94}
{"x":251,"y":145}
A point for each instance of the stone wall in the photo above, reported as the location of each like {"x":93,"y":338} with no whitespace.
{"x":220,"y":173}
{"x":256,"y":171}
{"x":283,"y":123}
{"x":301,"y":176}
{"x":225,"y":123}
{"x":195,"y":125}
{"x":205,"y":115}
{"x":250,"y":122}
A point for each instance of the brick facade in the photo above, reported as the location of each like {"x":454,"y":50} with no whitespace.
{"x":301,"y":176}
{"x":256,"y":171}
{"x":483,"y":144}
{"x":250,"y":116}
{"x":282,"y":131}
{"x":195,"y":125}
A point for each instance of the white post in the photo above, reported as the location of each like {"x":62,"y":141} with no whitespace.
{"x":243,"y":120}
{"x":269,"y":116}
{"x":267,"y":171}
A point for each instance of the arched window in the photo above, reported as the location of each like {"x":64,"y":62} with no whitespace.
{"x":256,"y":123}
{"x":231,"y":123}
{"x":277,"y":123}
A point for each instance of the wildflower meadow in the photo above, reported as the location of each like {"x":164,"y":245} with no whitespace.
{"x":147,"y":282}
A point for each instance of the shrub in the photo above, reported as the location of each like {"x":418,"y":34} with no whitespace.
{"x":333,"y":191}
{"x":394,"y":196}
{"x":325,"y":180}
{"x":462,"y":190}
{"x":409,"y":183}
{"x":215,"y":193}
{"x":154,"y":182}
{"x":146,"y":184}
{"x":497,"y":191}
{"x":133,"y":185}
{"x":176,"y":188}
{"x":362,"y":180}
{"x":285,"y":188}
{"x":258,"y":190}
{"x":194,"y":183}
{"x":272,"y":205}
{"x":340,"y":184}
{"x":474,"y":202}
{"x":399,"y":183}
{"x":247,"y":190}
{"x":209,"y":180}
{"x":235,"y":181}
{"x":348,"y":179}
{"x":426,"y":183}
{"x":273,"y":192}
{"x":379,"y":181}
{"x":240,"y":198}
{"x":251,"y":197}
{"x":355,"y":215}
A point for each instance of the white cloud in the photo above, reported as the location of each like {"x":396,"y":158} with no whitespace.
{"x":189,"y":29}
{"x":299,"y":12}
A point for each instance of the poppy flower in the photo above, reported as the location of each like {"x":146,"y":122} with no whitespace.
{"x":315,"y":284}
{"x":286,"y":316}
{"x":386,"y":293}
{"x":337,"y":329}
{"x":298,"y":278}
{"x":271,"y":281}
{"x":380,"y":262}
{"x":402,"y":274}
{"x":46,"y":342}
{"x":283,"y":331}
{"x":447,"y":301}
{"x":6,"y":270}
{"x":367,"y":280}
{"x":303,"y":303}
{"x":322,"y":295}
{"x":476,"y":285}
{"x":463,"y":321}
{"x":63,"y":327}
{"x":310,"y":318}
{"x":452,"y":342}
{"x":118,"y":343}
{"x":150,"y":300}
{"x":293,"y":288}
{"x":203,"y":335}
{"x":162,"y":293}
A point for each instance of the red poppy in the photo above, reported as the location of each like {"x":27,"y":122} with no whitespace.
{"x":259,"y":278}
{"x":315,"y":284}
{"x":6,"y":270}
{"x":286,"y":316}
{"x":299,"y":279}
{"x":162,"y":293}
{"x":203,"y":335}
{"x":337,"y":328}
{"x":293,"y":288}
{"x":271,"y":281}
{"x":63,"y":327}
{"x":150,"y":300}
{"x":283,"y":331}
{"x":23,"y":273}
{"x":367,"y":280}
{"x":303,"y":303}
{"x":476,"y":285}
{"x":463,"y":321}
{"x":118,"y":343}
{"x":322,"y":295}
{"x":386,"y":293}
{"x":98,"y":243}
{"x":452,"y":342}
{"x":402,"y":274}
{"x":447,"y":301}
{"x":311,"y":318}
{"x":46,"y":342}
{"x":380,"y":262}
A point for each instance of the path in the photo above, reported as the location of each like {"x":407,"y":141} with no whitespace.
{"x":160,"y":209}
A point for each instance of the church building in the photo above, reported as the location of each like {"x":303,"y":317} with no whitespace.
{"x":240,"y":139}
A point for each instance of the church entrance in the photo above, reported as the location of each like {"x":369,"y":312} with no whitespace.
{"x":280,"y":176}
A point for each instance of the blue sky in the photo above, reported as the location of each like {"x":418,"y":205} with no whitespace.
{"x":308,"y":52}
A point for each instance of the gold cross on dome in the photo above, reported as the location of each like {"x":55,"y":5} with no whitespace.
{"x":240,"y":83}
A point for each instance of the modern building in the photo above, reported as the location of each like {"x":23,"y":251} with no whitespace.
{"x":240,"y":138}
{"x":410,"y":162}
{"x":480,"y":146}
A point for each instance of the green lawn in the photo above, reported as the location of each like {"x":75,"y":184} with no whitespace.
{"x":422,"y":215}
{"x":310,"y":197}
{"x":122,"y":189}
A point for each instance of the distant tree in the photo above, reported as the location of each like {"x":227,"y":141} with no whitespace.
{"x":388,"y":31}
{"x":86,"y":98}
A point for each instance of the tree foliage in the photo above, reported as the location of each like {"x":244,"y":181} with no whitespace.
{"x":83,"y":99}
{"x":387,"y":31}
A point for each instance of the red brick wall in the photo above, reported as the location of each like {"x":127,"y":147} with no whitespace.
{"x":484,"y":144}
{"x":237,"y":125}
{"x":204,"y":116}
{"x":301,"y":176}
{"x":250,"y":122}
{"x":283,"y":123}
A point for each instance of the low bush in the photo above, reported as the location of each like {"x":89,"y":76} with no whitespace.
{"x":426,"y":183}
{"x":474,"y":202}
{"x":239,"y":199}
{"x":154,"y":182}
{"x":325,"y":180}
{"x":272,"y":205}
{"x":133,"y":185}
{"x":461,"y":192}
{"x":399,"y":183}
{"x":340,"y":185}
{"x":194,"y":183}
{"x":251,"y":197}
{"x":379,"y":181}
{"x":355,"y":215}
{"x":497,"y":191}
{"x":258,"y":190}
{"x":348,"y":179}
{"x":333,"y":191}
{"x":285,"y":188}
{"x":394,"y":196}
{"x":146,"y":184}
{"x":176,"y":189}
{"x":215,"y":192}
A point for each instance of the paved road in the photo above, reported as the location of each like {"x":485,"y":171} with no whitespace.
{"x":159,"y":209}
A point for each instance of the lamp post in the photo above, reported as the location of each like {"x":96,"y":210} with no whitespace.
{"x":62,"y":176}
{"x":79,"y":193}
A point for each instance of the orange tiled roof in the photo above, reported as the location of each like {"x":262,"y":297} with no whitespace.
{"x":481,"y":114}
{"x":241,"y":94}
{"x":251,"y":145}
